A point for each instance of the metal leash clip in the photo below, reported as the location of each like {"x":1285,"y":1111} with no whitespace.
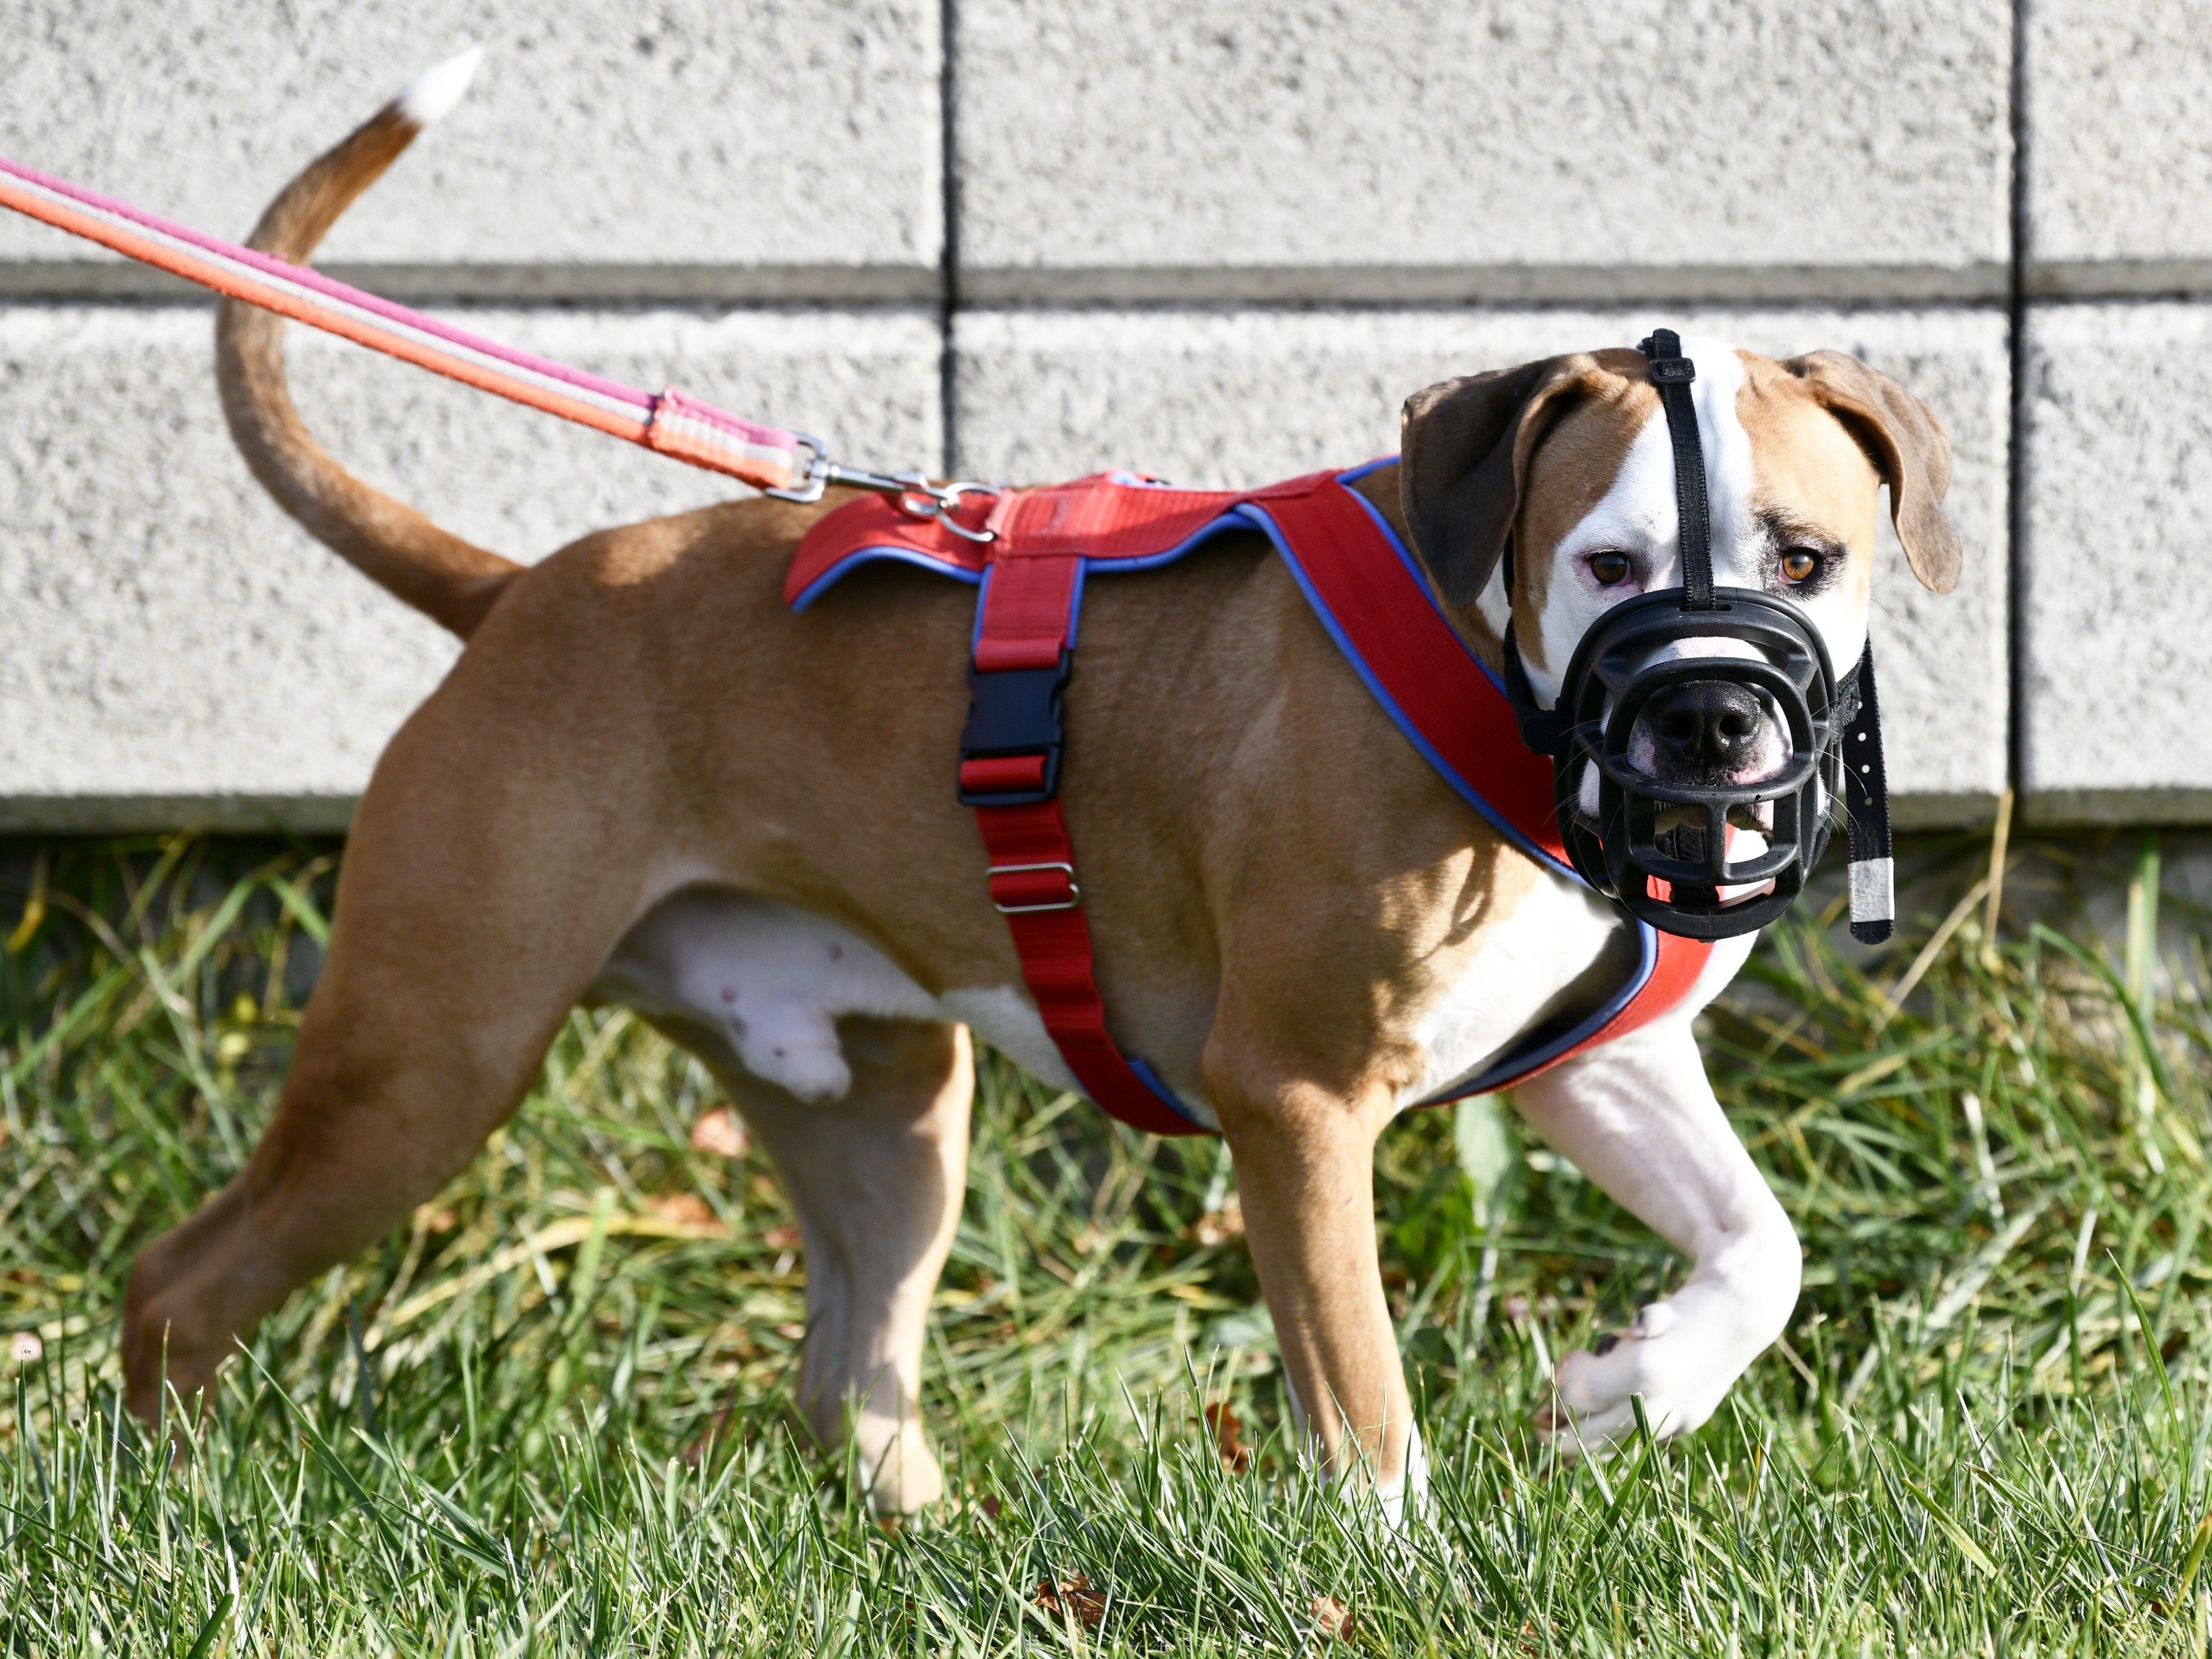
{"x":915,"y":495}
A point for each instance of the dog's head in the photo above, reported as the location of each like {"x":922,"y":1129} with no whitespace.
{"x":1569,"y":459}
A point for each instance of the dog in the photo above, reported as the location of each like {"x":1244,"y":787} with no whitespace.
{"x":646,"y":781}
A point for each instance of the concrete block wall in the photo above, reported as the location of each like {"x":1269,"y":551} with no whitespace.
{"x":1028,"y":238}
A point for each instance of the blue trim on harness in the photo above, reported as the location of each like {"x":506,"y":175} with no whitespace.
{"x":1512,"y":1064}
{"x":1460,"y":786}
{"x":821,"y":585}
{"x":1501,"y":1072}
{"x":1366,"y":467}
{"x":1151,"y":1080}
{"x":1413,"y":569}
{"x":1084,"y":568}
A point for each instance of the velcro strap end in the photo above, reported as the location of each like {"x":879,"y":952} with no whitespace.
{"x":1873,"y":891}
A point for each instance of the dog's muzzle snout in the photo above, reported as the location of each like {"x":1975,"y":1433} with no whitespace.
{"x":1698,"y":720}
{"x":1709,"y":731}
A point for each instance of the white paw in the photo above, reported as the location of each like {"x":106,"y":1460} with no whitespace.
{"x":1682,"y":1363}
{"x":1408,"y":1495}
{"x":900,"y":1470}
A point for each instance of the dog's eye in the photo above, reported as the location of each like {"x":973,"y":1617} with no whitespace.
{"x":1799,"y":564}
{"x":1610,"y":570}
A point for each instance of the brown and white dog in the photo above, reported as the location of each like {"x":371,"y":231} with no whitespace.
{"x":646,"y":782}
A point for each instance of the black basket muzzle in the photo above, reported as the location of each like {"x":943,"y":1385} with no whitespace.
{"x":1673,"y":878}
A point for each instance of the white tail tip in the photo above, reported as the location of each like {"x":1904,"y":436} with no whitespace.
{"x":431,"y":95}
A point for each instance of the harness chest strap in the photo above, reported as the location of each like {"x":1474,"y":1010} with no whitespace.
{"x":1010,"y":774}
{"x":1375,"y":604}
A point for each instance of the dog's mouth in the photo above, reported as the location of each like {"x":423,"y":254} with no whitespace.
{"x":1680,"y":834}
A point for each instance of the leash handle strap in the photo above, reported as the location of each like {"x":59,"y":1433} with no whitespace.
{"x":686,"y":428}
{"x":1672,"y":373}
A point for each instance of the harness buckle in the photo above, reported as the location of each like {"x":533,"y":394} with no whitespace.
{"x":1010,"y":749}
{"x":1666,"y":371}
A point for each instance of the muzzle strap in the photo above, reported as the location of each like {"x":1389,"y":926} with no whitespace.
{"x":1672,"y":373}
{"x":1866,"y":813}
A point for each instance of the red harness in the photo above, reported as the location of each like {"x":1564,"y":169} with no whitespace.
{"x":1368,"y":593}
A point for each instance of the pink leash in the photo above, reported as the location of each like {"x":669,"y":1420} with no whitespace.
{"x":794,"y":465}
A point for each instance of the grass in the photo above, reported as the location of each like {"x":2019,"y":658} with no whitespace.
{"x":553,"y":1413}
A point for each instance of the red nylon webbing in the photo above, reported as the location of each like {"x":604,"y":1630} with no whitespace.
{"x":1389,"y":620}
{"x":1058,"y":965}
{"x":1027,"y":603}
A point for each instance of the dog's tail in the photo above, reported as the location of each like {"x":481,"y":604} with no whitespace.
{"x":453,"y":581}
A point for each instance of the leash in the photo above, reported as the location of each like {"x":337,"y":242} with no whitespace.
{"x":791,"y":465}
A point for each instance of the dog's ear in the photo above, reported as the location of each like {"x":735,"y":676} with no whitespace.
{"x":1463,"y":452}
{"x":1908,"y":447}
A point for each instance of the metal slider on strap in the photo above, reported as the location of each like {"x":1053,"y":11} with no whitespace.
{"x":1066,"y":871}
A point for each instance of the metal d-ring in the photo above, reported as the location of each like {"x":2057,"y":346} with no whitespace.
{"x":943,"y":500}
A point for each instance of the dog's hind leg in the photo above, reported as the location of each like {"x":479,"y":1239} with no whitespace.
{"x":877,"y":1179}
{"x":1639,"y":1117}
{"x":469,"y":918}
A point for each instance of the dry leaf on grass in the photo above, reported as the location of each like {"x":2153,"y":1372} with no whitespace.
{"x":783,"y":1236}
{"x":687,"y":1209}
{"x":719,"y":1134}
{"x":1334,"y":1617}
{"x":1229,"y":1436}
{"x":1219,"y":1226}
{"x":1073,"y":1598}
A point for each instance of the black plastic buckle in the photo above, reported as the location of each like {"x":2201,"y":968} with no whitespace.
{"x":1015,"y":711}
{"x":1668,"y":371}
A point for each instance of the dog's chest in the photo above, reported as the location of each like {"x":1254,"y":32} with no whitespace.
{"x":1524,"y":974}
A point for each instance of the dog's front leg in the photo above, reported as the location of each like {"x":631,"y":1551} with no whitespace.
{"x":1305,"y":1163}
{"x":1639,"y":1117}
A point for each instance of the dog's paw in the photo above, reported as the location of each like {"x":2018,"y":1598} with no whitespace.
{"x":902,"y":1474}
{"x":1682,"y":1380}
{"x":1681,"y":1355}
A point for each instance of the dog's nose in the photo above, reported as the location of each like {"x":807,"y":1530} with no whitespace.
{"x":1706,"y":726}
